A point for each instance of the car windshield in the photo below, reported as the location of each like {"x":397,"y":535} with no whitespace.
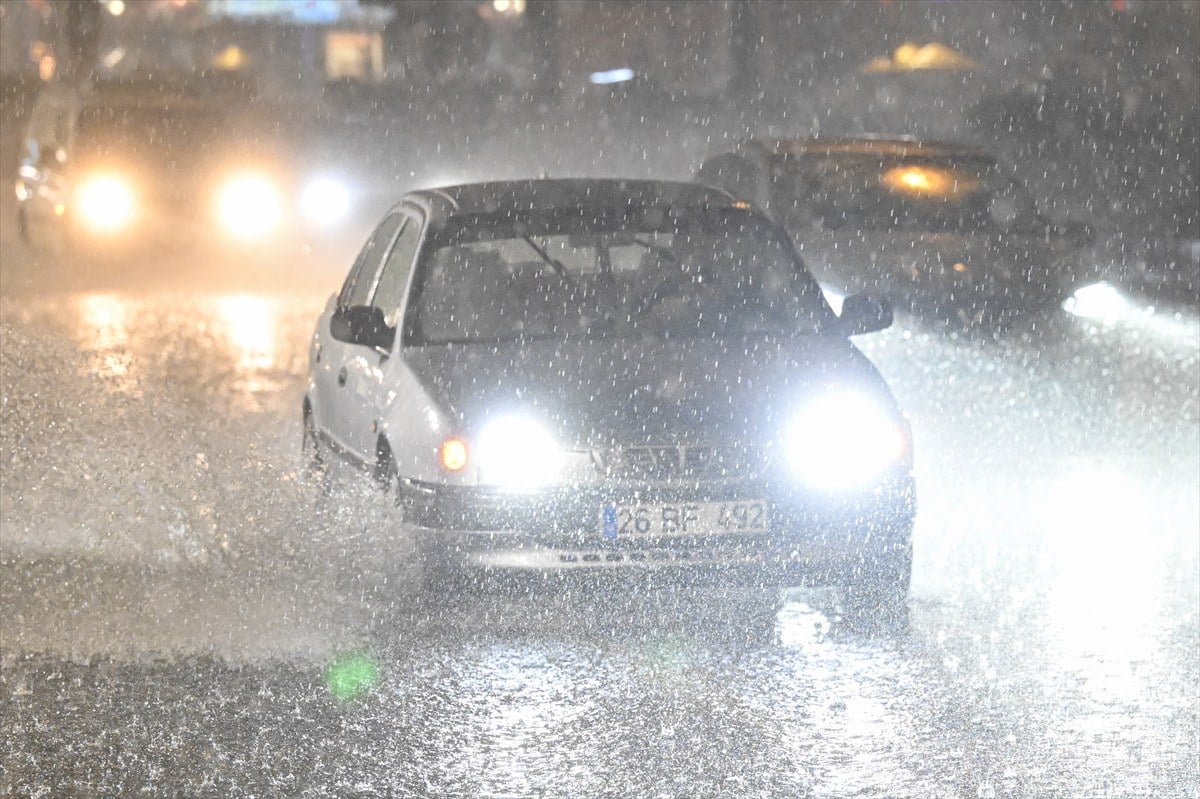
{"x":873,"y":192}
{"x":657,"y":272}
{"x":148,"y":130}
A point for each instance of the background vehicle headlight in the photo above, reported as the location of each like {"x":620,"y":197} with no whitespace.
{"x":1100,"y":301}
{"x":843,"y":440}
{"x":325,"y":201}
{"x":105,"y":203}
{"x":249,"y":206}
{"x":517,"y":452}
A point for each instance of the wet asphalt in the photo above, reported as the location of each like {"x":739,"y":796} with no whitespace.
{"x":185,"y":615}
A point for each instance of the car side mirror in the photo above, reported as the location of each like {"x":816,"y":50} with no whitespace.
{"x":363,"y":325}
{"x":864,"y":313}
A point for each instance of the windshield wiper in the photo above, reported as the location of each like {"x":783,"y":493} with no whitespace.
{"x":555,"y":264}
{"x":658,"y":249}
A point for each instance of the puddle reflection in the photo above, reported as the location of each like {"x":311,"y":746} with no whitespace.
{"x":250,"y":325}
{"x":102,"y":331}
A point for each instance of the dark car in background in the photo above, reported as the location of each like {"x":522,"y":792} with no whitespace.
{"x":608,"y":375}
{"x":120,"y":168}
{"x":942,"y":230}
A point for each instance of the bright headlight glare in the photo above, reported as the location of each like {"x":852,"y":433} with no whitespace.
{"x":843,"y":440}
{"x":517,"y":452}
{"x":1099,"y":301}
{"x":249,"y":206}
{"x":105,"y":203}
{"x":325,"y":201}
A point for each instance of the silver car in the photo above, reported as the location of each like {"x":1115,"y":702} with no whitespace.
{"x":603,"y":375}
{"x":939,"y":229}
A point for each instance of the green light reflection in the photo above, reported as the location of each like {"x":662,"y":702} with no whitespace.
{"x":351,"y":675}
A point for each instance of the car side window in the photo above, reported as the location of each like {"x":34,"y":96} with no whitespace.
{"x":389,"y":293}
{"x":357,"y":288}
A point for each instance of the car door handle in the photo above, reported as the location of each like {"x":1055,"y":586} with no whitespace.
{"x":342,"y":377}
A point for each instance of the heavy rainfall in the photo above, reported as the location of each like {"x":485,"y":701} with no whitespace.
{"x":623,"y":511}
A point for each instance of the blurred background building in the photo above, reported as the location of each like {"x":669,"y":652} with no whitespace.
{"x":1094,"y":100}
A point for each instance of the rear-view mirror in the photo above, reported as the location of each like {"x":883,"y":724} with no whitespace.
{"x":864,"y":313}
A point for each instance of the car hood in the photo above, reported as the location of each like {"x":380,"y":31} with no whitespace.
{"x":639,"y":390}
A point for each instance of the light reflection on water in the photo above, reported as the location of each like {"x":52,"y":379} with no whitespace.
{"x":250,"y":323}
{"x":1113,"y":541}
{"x":103,"y":332}
{"x":249,"y":326}
{"x":1101,"y":536}
{"x":519,"y":696}
{"x":105,"y":318}
{"x":250,"y":343}
{"x":1104,"y":535}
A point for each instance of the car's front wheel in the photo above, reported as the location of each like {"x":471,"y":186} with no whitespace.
{"x":310,"y":446}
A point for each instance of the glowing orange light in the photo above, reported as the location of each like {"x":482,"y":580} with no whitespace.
{"x":453,"y":455}
{"x":929,"y":181}
{"x":917,"y":179}
{"x":908,"y":57}
{"x":741,"y":204}
{"x":230,"y":59}
{"x":960,"y":267}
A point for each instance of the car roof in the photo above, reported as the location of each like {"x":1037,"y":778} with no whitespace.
{"x":866,"y":145}
{"x":548,"y":194}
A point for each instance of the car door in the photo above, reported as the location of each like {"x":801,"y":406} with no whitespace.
{"x":332,"y":357}
{"x":366,"y":388}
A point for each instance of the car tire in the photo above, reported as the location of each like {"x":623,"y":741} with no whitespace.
{"x":310,"y":448}
{"x":385,"y":473}
{"x":440,"y":580}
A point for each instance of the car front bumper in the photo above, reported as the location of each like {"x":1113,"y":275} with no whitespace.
{"x":809,"y":539}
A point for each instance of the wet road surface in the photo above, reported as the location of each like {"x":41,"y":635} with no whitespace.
{"x":184,"y":615}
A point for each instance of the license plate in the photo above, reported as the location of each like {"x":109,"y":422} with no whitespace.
{"x":659,"y":519}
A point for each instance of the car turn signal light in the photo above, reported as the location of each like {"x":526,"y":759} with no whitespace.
{"x":453,"y":455}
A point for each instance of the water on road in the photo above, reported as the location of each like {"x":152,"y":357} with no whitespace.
{"x":185,"y":614}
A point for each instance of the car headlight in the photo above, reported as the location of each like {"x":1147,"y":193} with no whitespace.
{"x":325,"y":201}
{"x":516,"y":451}
{"x":1099,"y":301}
{"x":249,"y":206}
{"x":104,"y":203}
{"x":843,"y":440}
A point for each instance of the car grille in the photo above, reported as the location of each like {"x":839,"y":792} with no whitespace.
{"x":671,"y":461}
